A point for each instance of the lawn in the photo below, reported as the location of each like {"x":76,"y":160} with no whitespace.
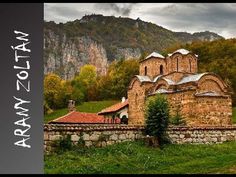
{"x":92,"y":106}
{"x":234,"y":115}
{"x":137,"y":158}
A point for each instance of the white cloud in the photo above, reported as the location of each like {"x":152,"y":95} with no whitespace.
{"x":189,"y":17}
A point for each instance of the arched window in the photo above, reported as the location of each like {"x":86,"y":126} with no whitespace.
{"x":190,"y":63}
{"x":177,"y":62}
{"x":161,"y":69}
{"x":145,"y":70}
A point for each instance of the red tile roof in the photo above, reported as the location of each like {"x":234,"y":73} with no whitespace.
{"x":114,"y":108}
{"x":80,"y":117}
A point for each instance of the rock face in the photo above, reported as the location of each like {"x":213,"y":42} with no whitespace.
{"x":128,"y":53}
{"x":65,"y":56}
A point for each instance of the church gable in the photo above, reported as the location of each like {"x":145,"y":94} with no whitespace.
{"x":212,"y":82}
{"x":179,"y":62}
{"x":139,"y":80}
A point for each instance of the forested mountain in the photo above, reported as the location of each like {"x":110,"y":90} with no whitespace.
{"x":98,"y":40}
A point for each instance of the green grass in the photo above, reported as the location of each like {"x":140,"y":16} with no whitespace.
{"x":92,"y":107}
{"x":137,"y":158}
{"x":95,"y":106}
{"x":55,"y":114}
{"x":234,"y":115}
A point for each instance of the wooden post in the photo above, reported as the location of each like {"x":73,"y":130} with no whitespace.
{"x":152,"y":141}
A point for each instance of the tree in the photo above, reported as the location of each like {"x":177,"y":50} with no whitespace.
{"x":86,"y":83}
{"x":104,"y":87}
{"x":87,"y":74}
{"x":157,"y":118}
{"x":52,"y":88}
{"x":115,"y":84}
{"x":57,"y":92}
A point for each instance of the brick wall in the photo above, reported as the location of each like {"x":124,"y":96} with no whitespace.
{"x":103,"y":135}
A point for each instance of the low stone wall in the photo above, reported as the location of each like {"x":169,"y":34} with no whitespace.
{"x":103,"y":135}
{"x":90,"y":134}
{"x":202,"y":135}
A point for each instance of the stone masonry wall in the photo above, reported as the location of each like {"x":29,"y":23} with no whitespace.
{"x":103,"y":135}
{"x":136,"y":97}
{"x":201,"y":110}
{"x":212,"y":111}
{"x":90,"y":135}
{"x":202,"y":135}
{"x":182,"y":63}
{"x":153,"y":67}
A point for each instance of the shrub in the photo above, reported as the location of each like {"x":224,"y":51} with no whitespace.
{"x":157,"y":118}
{"x":81,"y":142}
{"x":63,"y":144}
{"x":103,"y":137}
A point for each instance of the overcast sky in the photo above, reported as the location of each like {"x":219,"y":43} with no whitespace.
{"x":186,"y":17}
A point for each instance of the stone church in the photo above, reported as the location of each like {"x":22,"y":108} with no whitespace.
{"x":200,"y":98}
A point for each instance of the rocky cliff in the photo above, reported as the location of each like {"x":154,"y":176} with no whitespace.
{"x":98,"y":40}
{"x":64,"y":55}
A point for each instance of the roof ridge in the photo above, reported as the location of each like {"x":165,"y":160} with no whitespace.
{"x":155,"y":54}
{"x":114,"y":106}
{"x":181,"y":51}
{"x":62,"y":116}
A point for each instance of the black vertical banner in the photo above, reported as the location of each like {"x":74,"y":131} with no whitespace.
{"x":21,"y":88}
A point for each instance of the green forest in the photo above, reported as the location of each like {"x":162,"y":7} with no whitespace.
{"x":216,"y":56}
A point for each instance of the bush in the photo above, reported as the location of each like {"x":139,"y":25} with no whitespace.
{"x":81,"y":143}
{"x":157,"y":118}
{"x":63,"y":144}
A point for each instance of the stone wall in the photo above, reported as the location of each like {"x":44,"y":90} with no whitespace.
{"x":153,"y":67}
{"x":200,"y":110}
{"x":136,"y":97}
{"x":202,"y":135}
{"x":182,"y":63}
{"x":103,"y":135}
{"x":212,"y":111}
{"x":90,"y":134}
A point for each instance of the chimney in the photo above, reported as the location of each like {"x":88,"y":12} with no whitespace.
{"x":123,"y":100}
{"x":71,"y":105}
